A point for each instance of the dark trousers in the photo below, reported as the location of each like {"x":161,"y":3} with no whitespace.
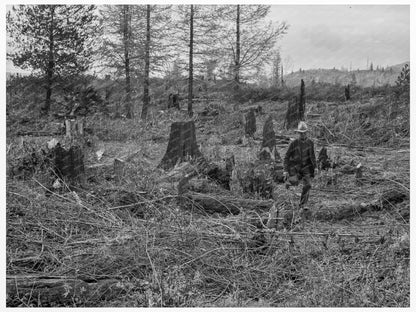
{"x":306,"y":181}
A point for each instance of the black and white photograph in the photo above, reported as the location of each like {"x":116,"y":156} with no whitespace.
{"x":179,"y":155}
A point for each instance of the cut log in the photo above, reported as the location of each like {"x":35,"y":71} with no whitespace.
{"x":182,"y":144}
{"x":226,"y":204}
{"x":56,"y":291}
{"x":250,"y":127}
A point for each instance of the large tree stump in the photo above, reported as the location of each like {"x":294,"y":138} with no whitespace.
{"x":250,"y":127}
{"x":182,"y":144}
{"x":69,"y":164}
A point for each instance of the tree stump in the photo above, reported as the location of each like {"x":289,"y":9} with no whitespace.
{"x":182,"y":144}
{"x":173,"y":101}
{"x":250,"y":127}
{"x":74,"y":128}
{"x":347,"y":93}
{"x":119,"y":166}
{"x":269,"y":137}
{"x":69,"y":164}
{"x":323,"y":159}
{"x":302,"y":100}
{"x":292,"y":114}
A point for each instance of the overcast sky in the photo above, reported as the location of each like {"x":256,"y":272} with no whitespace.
{"x":327,"y":36}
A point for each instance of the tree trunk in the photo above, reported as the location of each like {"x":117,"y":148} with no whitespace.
{"x":126,"y":39}
{"x":182,"y":144}
{"x":302,"y":100}
{"x":237,"y":48}
{"x":51,"y":65}
{"x":191,"y":65}
{"x":147,"y":66}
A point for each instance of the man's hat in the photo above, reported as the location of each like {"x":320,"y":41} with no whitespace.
{"x":302,"y":127}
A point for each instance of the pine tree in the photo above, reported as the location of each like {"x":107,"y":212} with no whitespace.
{"x":254,"y":38}
{"x":51,"y":40}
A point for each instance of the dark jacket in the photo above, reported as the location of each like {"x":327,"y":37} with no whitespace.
{"x":293,"y":161}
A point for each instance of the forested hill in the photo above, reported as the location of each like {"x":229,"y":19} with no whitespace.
{"x":365,"y":78}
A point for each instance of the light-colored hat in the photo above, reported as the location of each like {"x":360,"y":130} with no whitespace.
{"x":302,"y":127}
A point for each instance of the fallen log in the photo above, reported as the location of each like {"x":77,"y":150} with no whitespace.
{"x":55,"y":291}
{"x":39,"y":133}
{"x":225,"y":204}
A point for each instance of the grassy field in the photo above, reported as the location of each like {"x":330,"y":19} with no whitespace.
{"x":135,"y":243}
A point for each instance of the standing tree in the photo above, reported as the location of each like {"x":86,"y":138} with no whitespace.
{"x":197,"y":29}
{"x":277,"y":61}
{"x":191,"y":64}
{"x":147,"y":66}
{"x":52,"y":40}
{"x":247,"y":39}
{"x":148,"y":48}
{"x":127,"y":33}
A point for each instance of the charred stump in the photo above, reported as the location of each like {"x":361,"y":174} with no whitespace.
{"x":302,"y":100}
{"x":347,"y":93}
{"x":324,"y":162}
{"x":69,"y":164}
{"x":173,"y":101}
{"x":182,"y":144}
{"x":292,"y":114}
{"x":250,"y":127}
{"x":269,"y":137}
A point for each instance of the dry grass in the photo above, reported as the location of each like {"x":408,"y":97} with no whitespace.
{"x":165,"y":252}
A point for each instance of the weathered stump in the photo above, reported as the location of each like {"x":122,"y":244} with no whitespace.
{"x":182,"y":144}
{"x":302,"y":100}
{"x":292,"y":114}
{"x":250,"y":127}
{"x":119,"y":166}
{"x":323,"y":159}
{"x":347,"y":93}
{"x":74,"y":128}
{"x":173,"y":101}
{"x":69,"y":164}
{"x":269,"y":137}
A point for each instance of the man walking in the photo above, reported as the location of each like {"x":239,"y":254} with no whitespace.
{"x":300,"y":162}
